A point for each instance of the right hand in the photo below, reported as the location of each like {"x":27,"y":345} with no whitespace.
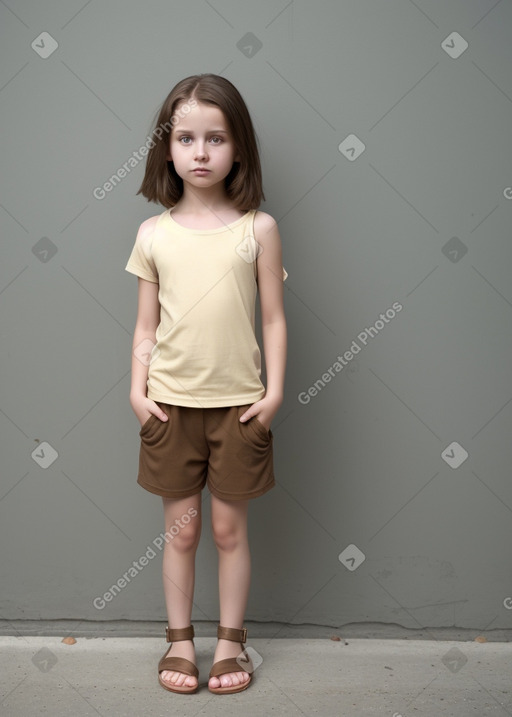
{"x":143,"y":407}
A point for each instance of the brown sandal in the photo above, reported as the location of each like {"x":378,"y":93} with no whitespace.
{"x":242,"y":663}
{"x":178,"y":664}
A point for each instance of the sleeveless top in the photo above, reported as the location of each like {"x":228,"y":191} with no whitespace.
{"x":206,"y":353}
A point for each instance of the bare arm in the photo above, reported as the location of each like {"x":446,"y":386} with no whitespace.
{"x":144,"y":338}
{"x":273,"y":322}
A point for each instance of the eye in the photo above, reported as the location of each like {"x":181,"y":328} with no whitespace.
{"x":217,"y":138}
{"x":184,"y":137}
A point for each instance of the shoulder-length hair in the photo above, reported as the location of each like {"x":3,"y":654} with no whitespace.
{"x":243,"y":184}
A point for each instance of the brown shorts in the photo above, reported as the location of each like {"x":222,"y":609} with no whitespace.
{"x":205,"y":445}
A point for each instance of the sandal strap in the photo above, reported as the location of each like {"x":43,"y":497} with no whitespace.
{"x":231,"y":665}
{"x":232,"y":633}
{"x":177,"y":634}
{"x":178,"y":664}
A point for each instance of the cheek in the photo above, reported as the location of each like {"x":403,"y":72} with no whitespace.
{"x":228,"y":156}
{"x":178,"y":152}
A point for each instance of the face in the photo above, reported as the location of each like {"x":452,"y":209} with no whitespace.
{"x":202,"y":140}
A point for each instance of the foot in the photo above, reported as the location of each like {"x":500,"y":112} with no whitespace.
{"x":227,"y":648}
{"x":183,"y":648}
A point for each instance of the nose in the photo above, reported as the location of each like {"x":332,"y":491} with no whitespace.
{"x":200,"y":152}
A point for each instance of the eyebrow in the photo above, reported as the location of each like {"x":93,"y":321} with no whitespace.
{"x":189,"y":131}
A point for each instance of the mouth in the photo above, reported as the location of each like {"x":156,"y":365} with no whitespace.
{"x":201,"y":170}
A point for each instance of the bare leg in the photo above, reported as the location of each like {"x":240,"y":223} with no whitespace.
{"x":229,"y":527}
{"x":178,"y":573}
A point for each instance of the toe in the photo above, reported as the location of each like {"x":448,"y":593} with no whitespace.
{"x":232,"y":679}
{"x":225,"y":680}
{"x":228,"y":679}
{"x":237,"y":678}
{"x":178,"y":679}
{"x":175,"y":678}
{"x":166,"y":676}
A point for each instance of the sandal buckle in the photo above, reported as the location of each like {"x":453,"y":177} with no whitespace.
{"x":244,"y":635}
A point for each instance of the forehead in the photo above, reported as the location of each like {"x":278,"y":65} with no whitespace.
{"x":200,"y":116}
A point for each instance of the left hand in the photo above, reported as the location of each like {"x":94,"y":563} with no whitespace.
{"x":264,"y":410}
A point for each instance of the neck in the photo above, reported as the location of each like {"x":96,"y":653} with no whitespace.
{"x":197,"y":201}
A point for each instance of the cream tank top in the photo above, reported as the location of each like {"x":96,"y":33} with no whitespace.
{"x":206,"y":352}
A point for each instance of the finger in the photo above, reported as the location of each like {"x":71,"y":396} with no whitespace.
{"x":161,"y":414}
{"x":158,"y":412}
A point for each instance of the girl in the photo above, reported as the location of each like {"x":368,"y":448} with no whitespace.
{"x":205,"y":415}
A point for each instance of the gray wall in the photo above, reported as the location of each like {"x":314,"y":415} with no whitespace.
{"x":393,"y":499}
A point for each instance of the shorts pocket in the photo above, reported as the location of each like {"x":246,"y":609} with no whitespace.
{"x":260,"y":428}
{"x":146,"y":426}
{"x":155,"y":432}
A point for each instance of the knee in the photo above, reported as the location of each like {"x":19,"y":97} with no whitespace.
{"x":184,"y":538}
{"x":226,"y":535}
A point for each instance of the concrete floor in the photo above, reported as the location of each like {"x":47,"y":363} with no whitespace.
{"x":105,"y":674}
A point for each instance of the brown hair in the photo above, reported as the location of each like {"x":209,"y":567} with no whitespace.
{"x":243,"y":184}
